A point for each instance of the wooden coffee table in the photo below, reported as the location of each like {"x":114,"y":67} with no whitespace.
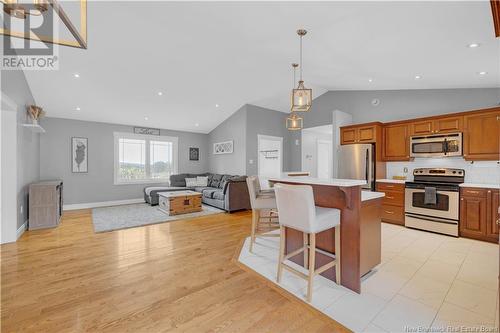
{"x":179,"y":202}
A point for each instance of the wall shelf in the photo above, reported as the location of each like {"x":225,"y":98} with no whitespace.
{"x":35,"y":128}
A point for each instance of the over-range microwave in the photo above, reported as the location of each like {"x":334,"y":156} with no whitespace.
{"x":442,"y":145}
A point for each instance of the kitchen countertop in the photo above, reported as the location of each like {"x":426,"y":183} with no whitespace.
{"x":319,"y":181}
{"x":395,"y":181}
{"x":369,"y":195}
{"x":494,"y":186}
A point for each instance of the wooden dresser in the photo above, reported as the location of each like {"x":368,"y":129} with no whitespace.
{"x":45,"y":204}
{"x":393,"y":204}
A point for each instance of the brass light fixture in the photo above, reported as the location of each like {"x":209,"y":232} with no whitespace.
{"x":18,"y":10}
{"x":21,"y":10}
{"x":301,"y":96}
{"x":294,"y":122}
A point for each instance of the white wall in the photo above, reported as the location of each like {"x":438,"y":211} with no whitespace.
{"x":310,"y":137}
{"x":487,"y":172}
{"x":339,"y":119}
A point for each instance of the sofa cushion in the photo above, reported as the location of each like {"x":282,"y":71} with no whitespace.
{"x":178,"y":180}
{"x":201,"y":188}
{"x":215,"y":180}
{"x":223,"y":181}
{"x":209,"y":192}
{"x":218,"y":194}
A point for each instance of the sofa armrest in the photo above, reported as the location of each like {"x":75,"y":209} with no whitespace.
{"x":236,"y":196}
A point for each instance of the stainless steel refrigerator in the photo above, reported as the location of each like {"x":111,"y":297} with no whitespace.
{"x":357,"y":161}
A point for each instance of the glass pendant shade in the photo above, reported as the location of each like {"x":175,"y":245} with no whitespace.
{"x":294,"y":122}
{"x":301,"y":98}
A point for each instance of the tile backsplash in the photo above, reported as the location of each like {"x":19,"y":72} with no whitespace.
{"x":487,"y":172}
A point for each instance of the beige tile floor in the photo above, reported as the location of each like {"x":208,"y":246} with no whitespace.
{"x":425,"y":281}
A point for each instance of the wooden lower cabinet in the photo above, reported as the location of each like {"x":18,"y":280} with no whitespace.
{"x":393,"y":204}
{"x":479,"y":213}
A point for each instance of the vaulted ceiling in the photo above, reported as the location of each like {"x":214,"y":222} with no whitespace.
{"x":209,"y":58}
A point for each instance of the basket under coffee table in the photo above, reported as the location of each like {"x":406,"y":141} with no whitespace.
{"x":179,"y":202}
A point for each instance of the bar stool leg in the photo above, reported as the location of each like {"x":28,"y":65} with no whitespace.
{"x":255,"y":222}
{"x":312,"y":262}
{"x":337,"y":255}
{"x":281,"y":254}
{"x":306,"y":264}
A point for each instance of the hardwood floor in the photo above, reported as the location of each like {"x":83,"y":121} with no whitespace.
{"x":176,"y":276}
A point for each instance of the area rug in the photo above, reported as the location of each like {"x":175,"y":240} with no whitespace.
{"x":136,"y":215}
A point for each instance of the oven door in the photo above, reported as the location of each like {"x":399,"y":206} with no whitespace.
{"x":446,"y":207}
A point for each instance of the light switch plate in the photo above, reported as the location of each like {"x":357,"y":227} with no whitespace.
{"x":250,"y":161}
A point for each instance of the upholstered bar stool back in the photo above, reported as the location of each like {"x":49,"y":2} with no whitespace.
{"x":259,"y":201}
{"x":297,"y":211}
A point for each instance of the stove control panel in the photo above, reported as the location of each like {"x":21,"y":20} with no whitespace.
{"x":443,"y":172}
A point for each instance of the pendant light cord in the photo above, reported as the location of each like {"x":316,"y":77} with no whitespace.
{"x":300,"y":58}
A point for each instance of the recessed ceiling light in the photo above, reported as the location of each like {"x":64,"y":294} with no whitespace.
{"x":473,"y":45}
{"x":216,"y":105}
{"x":160,"y":93}
{"x":196,"y":124}
{"x":418,"y":77}
{"x":370,"y":80}
{"x":76,"y":75}
{"x":146,"y":118}
{"x":78,"y":108}
{"x":482,"y":73}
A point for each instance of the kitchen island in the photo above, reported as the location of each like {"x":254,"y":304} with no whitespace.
{"x":360,"y":224}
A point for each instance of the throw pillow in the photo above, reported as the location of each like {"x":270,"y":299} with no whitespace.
{"x":191,"y":182}
{"x":201,"y":181}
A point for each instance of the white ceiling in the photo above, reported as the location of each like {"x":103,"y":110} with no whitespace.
{"x":233,"y":53}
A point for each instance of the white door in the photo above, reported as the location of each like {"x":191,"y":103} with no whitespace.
{"x":270,"y":160}
{"x":324,"y":164}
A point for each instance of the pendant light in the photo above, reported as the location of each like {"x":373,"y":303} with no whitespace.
{"x":294,"y":122}
{"x":301,"y":96}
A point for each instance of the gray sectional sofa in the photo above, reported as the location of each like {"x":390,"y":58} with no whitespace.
{"x":226,"y":192}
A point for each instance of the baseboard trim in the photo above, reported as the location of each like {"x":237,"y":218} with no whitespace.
{"x":21,"y":229}
{"x":102,"y":204}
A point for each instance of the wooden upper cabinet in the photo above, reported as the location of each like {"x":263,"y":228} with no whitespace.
{"x":396,"y":146}
{"x":366,"y":133}
{"x":482,"y":136}
{"x":437,"y":126}
{"x":422,"y":127}
{"x":449,"y":124}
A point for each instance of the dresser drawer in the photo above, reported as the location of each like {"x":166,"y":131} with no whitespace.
{"x":394,"y":214}
{"x":382,"y":187}
{"x":473,"y":192}
{"x":394,"y":198}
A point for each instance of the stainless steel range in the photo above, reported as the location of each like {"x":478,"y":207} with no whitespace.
{"x":432,"y":200}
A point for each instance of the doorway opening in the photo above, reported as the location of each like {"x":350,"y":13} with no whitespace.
{"x":317,"y":151}
{"x":270,"y":160}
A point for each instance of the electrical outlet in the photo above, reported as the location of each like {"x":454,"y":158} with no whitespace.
{"x":250,"y":161}
{"x":405,"y":170}
{"x":297,"y":142}
{"x":22,"y":209}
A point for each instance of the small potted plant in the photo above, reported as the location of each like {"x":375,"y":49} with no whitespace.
{"x":35,"y":113}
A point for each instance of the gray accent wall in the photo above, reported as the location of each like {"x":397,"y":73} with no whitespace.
{"x":98,"y":184}
{"x":265,"y":122}
{"x":233,"y":128}
{"x":15,"y":87}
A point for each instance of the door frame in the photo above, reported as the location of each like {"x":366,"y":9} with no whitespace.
{"x":272,"y":138}
{"x":330,"y":143}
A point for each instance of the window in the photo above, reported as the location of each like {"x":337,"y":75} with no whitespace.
{"x":144,"y":158}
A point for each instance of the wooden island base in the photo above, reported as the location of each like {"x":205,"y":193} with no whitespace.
{"x":360,"y":232}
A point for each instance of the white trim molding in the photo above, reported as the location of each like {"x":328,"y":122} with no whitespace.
{"x":102,"y":204}
{"x":22,"y":229}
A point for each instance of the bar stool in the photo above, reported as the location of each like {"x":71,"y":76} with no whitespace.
{"x":261,"y":200}
{"x":297,"y":211}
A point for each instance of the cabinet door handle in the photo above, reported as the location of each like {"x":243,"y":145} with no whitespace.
{"x":388,"y":212}
{"x":389,"y":186}
{"x":498,"y":222}
{"x":474,"y":192}
{"x":389,"y":197}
